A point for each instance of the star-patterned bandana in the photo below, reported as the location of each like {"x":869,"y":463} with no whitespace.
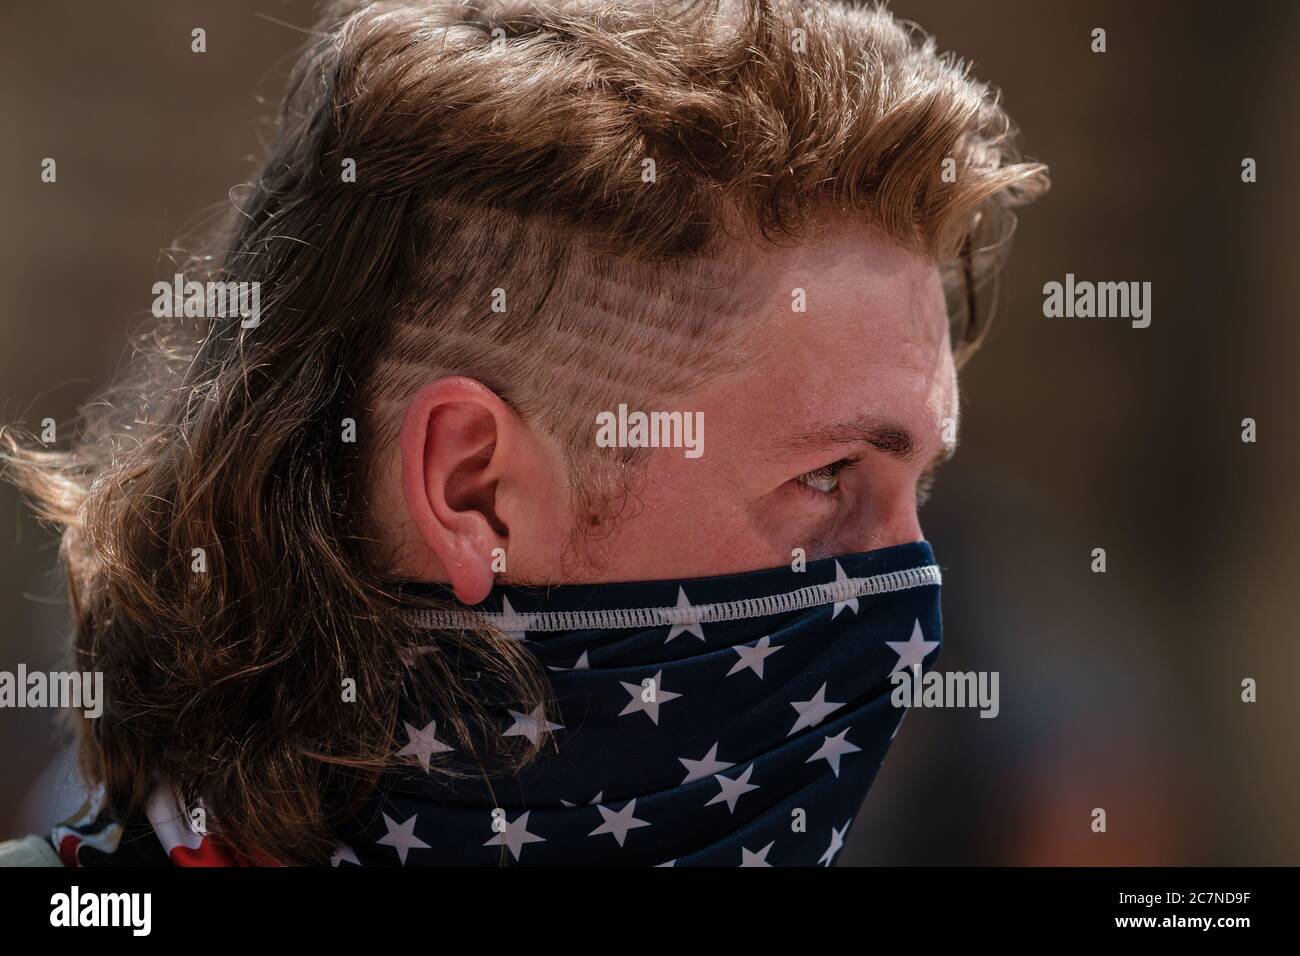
{"x":736,"y":720}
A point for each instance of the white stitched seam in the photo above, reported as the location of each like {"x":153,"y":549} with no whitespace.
{"x":641,"y":617}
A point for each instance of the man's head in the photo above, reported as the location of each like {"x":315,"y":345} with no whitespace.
{"x":627,"y":205}
{"x":820,"y":435}
{"x":480,"y":227}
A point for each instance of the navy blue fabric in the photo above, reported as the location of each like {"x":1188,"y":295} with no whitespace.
{"x":613,"y":748}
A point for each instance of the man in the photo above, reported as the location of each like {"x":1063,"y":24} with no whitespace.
{"x":560,"y":505}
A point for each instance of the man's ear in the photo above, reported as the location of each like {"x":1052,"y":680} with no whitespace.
{"x":459,"y":442}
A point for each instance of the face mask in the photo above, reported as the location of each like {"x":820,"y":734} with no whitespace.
{"x":736,"y":720}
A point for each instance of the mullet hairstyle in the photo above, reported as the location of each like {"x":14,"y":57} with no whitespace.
{"x":496,"y":145}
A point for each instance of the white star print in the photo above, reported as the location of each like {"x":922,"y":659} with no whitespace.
{"x":580,"y":665}
{"x":733,"y":790}
{"x":343,"y":853}
{"x":750,"y":858}
{"x":515,"y":835}
{"x":617,"y":824}
{"x":649,"y":707}
{"x":851,"y":603}
{"x":837,"y":843}
{"x":691,"y":626}
{"x":401,"y":837}
{"x":423,"y":744}
{"x":813,"y":712}
{"x":912,"y":652}
{"x":752,"y":657}
{"x":531,"y":725}
{"x":832,"y":749}
{"x":699,"y":769}
{"x":594,"y":800}
{"x":514,"y":625}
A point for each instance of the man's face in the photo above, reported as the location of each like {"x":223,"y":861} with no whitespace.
{"x":821,"y":440}
{"x":824,"y":441}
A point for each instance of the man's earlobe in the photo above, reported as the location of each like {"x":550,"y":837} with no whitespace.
{"x":451,"y":445}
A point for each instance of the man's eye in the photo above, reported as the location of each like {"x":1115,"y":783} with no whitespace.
{"x":825,"y":480}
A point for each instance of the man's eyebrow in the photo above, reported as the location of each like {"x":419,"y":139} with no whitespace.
{"x":889,"y":437}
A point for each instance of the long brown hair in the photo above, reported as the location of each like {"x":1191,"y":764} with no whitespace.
{"x":228,"y":683}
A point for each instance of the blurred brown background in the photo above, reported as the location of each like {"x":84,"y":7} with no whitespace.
{"x":1119,"y":690}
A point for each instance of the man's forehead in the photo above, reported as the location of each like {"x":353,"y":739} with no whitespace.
{"x":867,"y":359}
